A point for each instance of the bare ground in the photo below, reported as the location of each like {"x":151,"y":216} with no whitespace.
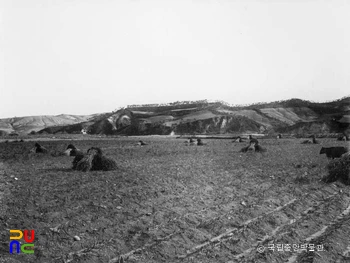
{"x":168,"y":202}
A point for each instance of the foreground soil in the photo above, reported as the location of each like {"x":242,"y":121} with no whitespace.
{"x":169,"y":202}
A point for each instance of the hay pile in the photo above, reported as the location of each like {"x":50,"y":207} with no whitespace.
{"x":250,"y":147}
{"x":343,"y":137}
{"x":39,"y":149}
{"x":141,"y":143}
{"x":72,"y":151}
{"x":76,"y":160}
{"x":247,"y":148}
{"x":306,"y":142}
{"x":339,"y":169}
{"x":93,"y":161}
{"x":258,"y":148}
{"x":252,"y":140}
{"x":200,"y":142}
{"x":238,"y":139}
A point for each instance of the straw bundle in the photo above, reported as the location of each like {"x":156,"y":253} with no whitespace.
{"x":93,"y":161}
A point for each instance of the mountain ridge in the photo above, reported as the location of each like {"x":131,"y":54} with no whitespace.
{"x":196,"y":117}
{"x":27,"y":124}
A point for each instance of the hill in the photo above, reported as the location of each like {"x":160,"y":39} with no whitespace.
{"x":216,"y":117}
{"x":25,"y":125}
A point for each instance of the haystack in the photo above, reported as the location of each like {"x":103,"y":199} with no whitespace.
{"x":343,"y":137}
{"x":306,"y":142}
{"x":193,"y":143}
{"x":200,"y":142}
{"x":238,"y":139}
{"x":252,"y":140}
{"x":76,"y":160}
{"x":71,"y":146}
{"x":258,"y":148}
{"x":39,"y":149}
{"x":339,"y":169}
{"x":333,"y":152}
{"x":93,"y":161}
{"x":72,"y":151}
{"x":142,"y":143}
{"x":247,"y":148}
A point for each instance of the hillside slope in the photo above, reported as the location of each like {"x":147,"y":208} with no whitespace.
{"x":24,"y":125}
{"x":203,"y":117}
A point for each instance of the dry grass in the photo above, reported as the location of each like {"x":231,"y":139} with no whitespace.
{"x":166,"y":199}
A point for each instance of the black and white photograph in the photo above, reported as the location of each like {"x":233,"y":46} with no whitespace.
{"x":174,"y":131}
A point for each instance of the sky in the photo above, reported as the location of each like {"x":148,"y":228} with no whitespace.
{"x":93,"y":56}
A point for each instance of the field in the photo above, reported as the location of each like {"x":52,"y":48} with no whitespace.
{"x":168,"y":202}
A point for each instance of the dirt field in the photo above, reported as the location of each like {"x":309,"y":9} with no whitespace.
{"x":168,"y":202}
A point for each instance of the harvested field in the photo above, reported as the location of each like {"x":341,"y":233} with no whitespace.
{"x":168,"y":202}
